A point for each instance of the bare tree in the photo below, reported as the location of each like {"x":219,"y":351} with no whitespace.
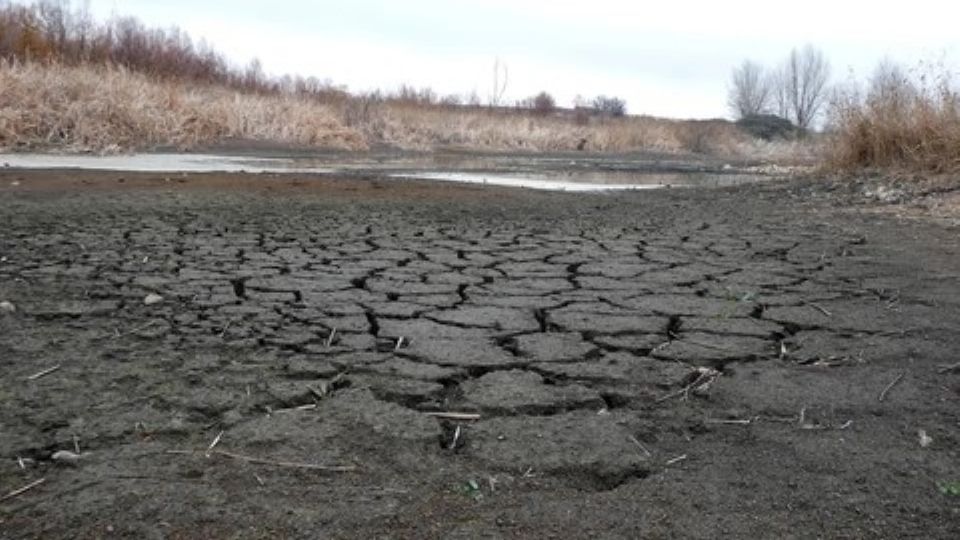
{"x":778,"y":88}
{"x":609,"y":105}
{"x":750,"y":90}
{"x":803,"y":82}
{"x":542,"y":104}
{"x":500,"y":77}
{"x":890,"y":85}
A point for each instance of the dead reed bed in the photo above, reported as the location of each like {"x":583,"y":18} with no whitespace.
{"x":901,"y":120}
{"x":92,"y":108}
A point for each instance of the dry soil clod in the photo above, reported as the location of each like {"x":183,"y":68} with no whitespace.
{"x":949,"y":369}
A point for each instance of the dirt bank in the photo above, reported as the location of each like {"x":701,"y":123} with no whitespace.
{"x":749,"y":361}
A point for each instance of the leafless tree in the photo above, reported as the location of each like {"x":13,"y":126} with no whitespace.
{"x":890,"y":85}
{"x":500,"y":77}
{"x":609,"y":105}
{"x":750,"y":90}
{"x":802,"y":85}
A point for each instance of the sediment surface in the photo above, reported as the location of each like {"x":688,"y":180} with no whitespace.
{"x":736,"y":362}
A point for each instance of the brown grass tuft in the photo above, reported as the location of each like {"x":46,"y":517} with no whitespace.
{"x":898,"y":123}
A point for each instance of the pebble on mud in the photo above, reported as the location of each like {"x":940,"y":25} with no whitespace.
{"x":66,"y":457}
{"x":152,"y":299}
{"x":7,"y":307}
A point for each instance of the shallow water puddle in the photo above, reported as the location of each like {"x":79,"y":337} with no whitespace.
{"x":585,"y":181}
{"x":532,"y":173}
{"x":155,"y":163}
{"x":556,"y":183}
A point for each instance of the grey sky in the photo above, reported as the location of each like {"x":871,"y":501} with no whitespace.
{"x":668,"y":58}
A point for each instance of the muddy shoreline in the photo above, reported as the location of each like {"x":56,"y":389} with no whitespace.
{"x":748,"y":361}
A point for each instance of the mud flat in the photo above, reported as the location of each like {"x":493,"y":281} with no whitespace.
{"x":236,"y":355}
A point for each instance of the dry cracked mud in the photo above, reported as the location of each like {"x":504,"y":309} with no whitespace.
{"x":736,"y":362}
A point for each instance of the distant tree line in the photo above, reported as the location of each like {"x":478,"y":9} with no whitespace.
{"x":53,"y":31}
{"x":795,"y":91}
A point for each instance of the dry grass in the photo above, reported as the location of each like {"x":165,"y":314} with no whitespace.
{"x":418,"y":127}
{"x":104,"y":109}
{"x":899,"y":122}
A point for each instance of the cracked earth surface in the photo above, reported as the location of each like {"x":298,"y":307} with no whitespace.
{"x":733,"y":362}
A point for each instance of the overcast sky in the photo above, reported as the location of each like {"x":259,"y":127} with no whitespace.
{"x":666,"y":58}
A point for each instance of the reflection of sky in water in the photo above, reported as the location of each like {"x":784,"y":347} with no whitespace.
{"x":536,"y":172}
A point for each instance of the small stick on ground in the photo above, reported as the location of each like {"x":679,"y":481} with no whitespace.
{"x":226,"y":327}
{"x":705,"y":377}
{"x":216,"y":441}
{"x":43,"y":373}
{"x":820,"y":308}
{"x":640,"y":446}
{"x":331,"y":337}
{"x":21,"y":491}
{"x":320,"y":393}
{"x":676,"y":460}
{"x":118,"y":334}
{"x":307,"y":407}
{"x":893,"y":383}
{"x":275,"y":463}
{"x":454,"y":416}
{"x":456,"y":439}
{"x":746,"y":422}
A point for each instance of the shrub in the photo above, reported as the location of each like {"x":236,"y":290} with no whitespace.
{"x":897,"y":122}
{"x":543,"y":103}
{"x":611,"y":106}
{"x":767,"y":127}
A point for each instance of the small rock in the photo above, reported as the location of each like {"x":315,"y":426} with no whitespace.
{"x":925,"y":440}
{"x":66,"y":457}
{"x":15,"y":183}
{"x":152,"y":299}
{"x":7,"y":307}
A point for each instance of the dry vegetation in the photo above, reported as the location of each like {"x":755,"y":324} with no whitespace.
{"x":70,"y":83}
{"x":88,"y":108}
{"x":901,"y":121}
{"x":108,"y":108}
